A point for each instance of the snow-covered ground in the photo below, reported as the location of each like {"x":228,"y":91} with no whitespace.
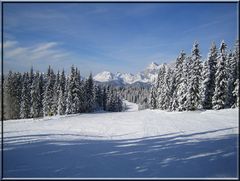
{"x":147,"y":143}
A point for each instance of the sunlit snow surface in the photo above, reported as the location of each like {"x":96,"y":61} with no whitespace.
{"x":147,"y":143}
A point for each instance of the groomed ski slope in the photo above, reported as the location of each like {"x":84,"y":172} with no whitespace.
{"x":147,"y":143}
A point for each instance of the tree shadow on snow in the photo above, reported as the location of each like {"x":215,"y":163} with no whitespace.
{"x":171,"y":155}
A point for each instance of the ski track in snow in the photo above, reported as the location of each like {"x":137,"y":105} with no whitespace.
{"x":146,"y":143}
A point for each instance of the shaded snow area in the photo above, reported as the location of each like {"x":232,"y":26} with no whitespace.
{"x":147,"y":143}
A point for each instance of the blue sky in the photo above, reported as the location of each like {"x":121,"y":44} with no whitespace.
{"x":123,"y":37}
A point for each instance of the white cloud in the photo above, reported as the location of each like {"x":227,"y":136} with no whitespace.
{"x":45,"y":46}
{"x":14,"y":52}
{"x":9,"y":44}
{"x":17,"y":55}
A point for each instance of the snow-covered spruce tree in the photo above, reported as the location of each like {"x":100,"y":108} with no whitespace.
{"x":110,"y":99}
{"x":36,"y":101}
{"x":173,"y":102}
{"x":208,"y":76}
{"x":160,"y":87}
{"x":62,"y":81}
{"x":104,"y":98}
{"x":179,"y":67}
{"x":82,"y":95}
{"x":12,"y":95}
{"x":219,"y":97}
{"x":31,"y":76}
{"x":236,"y":93}
{"x":230,"y":68}
{"x":166,"y":91}
{"x":72,"y":102}
{"x":97,"y":96}
{"x":118,"y":103}
{"x":48,"y":93}
{"x":4,"y":96}
{"x":89,"y":102}
{"x":183,"y":86}
{"x":61,"y":103}
{"x":204,"y":91}
{"x":18,"y":89}
{"x":25,"y":109}
{"x":76,"y":92}
{"x":68,"y":96}
{"x":152,"y":99}
{"x":41,"y":87}
{"x":180,"y":81}
{"x":56,"y":93}
{"x":176,"y":81}
{"x":114,"y":103}
{"x":62,"y":97}
{"x":193,"y":94}
{"x":235,"y":67}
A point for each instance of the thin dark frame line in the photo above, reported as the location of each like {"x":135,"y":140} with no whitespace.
{"x":2,"y":90}
{"x":131,"y":1}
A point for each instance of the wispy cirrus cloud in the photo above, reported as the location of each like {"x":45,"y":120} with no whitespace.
{"x":9,"y":44}
{"x":19,"y":55}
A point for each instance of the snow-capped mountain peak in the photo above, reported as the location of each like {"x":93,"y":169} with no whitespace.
{"x":153,"y":66}
{"x":104,"y":76}
{"x":146,"y":76}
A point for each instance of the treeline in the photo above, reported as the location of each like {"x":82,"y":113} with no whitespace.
{"x":34,"y":94}
{"x":138,"y":95}
{"x":193,"y":84}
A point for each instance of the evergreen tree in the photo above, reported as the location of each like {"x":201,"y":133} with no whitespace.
{"x":41,"y":88}
{"x":219,"y":98}
{"x":70,"y":88}
{"x":98,"y":98}
{"x":104,"y":98}
{"x":230,"y":68}
{"x":61,"y":102}
{"x":62,"y":81}
{"x":166,"y":91}
{"x":235,"y":73}
{"x":160,"y":87}
{"x":173,"y":105}
{"x":153,"y":101}
{"x":31,"y":76}
{"x":183,"y":86}
{"x":25,"y":109}
{"x":193,"y":94}
{"x":118,"y":103}
{"x":36,"y":107}
{"x":48,"y":94}
{"x":62,"y":96}
{"x":56,"y":93}
{"x":236,"y":93}
{"x":89,"y":94}
{"x":180,"y":82}
{"x":12,"y":95}
{"x":208,"y":75}
{"x":76,"y":92}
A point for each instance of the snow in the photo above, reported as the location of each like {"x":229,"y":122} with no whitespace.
{"x":146,"y":143}
{"x":152,"y":66}
{"x":104,"y":76}
{"x":146,"y":76}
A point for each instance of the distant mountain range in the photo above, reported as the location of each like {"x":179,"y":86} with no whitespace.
{"x":145,"y":77}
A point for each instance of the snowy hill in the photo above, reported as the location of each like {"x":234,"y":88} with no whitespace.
{"x":147,"y":143}
{"x":146,"y":76}
{"x":105,"y":76}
